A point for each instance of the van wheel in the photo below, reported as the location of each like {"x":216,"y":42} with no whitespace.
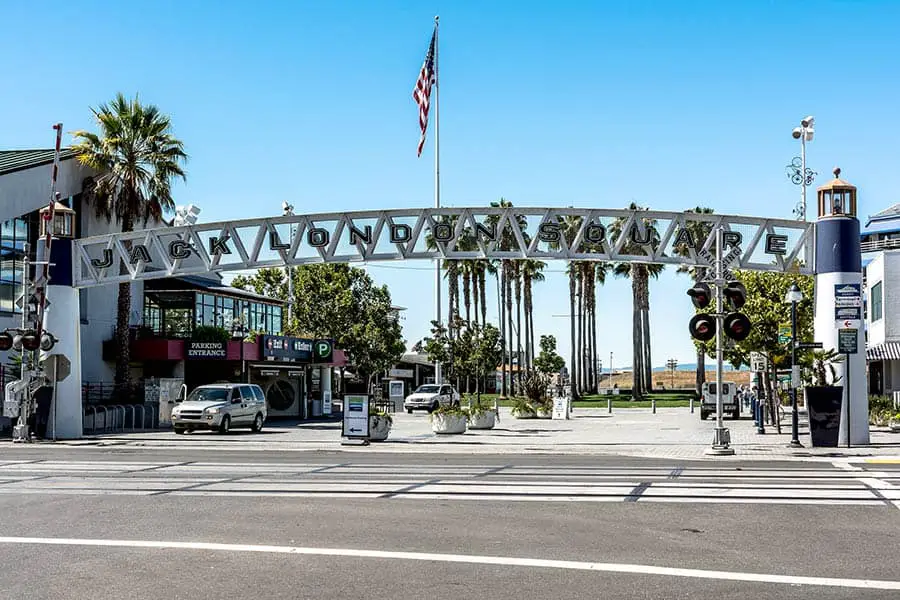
{"x":434,"y":406}
{"x":736,"y":415}
{"x":704,"y":415}
{"x":409,"y":411}
{"x":179,"y":430}
{"x":257,"y":423}
{"x":225,"y":425}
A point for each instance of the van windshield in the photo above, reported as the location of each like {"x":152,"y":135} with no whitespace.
{"x":209,"y":395}
{"x":428,"y":389}
{"x":712,"y":389}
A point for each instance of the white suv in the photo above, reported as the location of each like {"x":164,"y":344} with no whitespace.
{"x":430,"y":396}
{"x":220,"y":407}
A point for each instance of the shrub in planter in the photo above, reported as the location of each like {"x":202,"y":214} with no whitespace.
{"x":523,"y":409}
{"x":482,"y":415}
{"x":379,"y":424}
{"x":449,"y":419}
{"x":544,"y":408}
{"x":895,"y":422}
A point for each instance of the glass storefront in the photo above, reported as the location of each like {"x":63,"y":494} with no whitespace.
{"x":13,"y":236}
{"x":174,"y":314}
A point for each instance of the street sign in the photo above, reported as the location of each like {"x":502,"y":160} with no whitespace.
{"x":809,"y":345}
{"x":784,"y":333}
{"x":847,"y":313}
{"x":795,"y":376}
{"x":847,"y":295}
{"x":848,"y":341}
{"x":356,"y":417}
{"x":757,"y":362}
{"x":57,"y":367}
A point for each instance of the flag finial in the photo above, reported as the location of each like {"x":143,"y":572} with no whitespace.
{"x":436,"y":19}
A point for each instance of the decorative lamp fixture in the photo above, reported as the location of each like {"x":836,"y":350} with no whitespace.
{"x":63,"y":225}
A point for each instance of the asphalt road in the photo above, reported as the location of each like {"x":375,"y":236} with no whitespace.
{"x":101,"y":523}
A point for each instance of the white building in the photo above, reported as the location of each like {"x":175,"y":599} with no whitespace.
{"x":880,"y":245}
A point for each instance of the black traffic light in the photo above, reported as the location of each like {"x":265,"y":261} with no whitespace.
{"x":703,"y":327}
{"x":737,"y":326}
{"x":735,"y":294}
{"x":701,"y":295}
{"x":28,"y":341}
{"x":6,"y":341}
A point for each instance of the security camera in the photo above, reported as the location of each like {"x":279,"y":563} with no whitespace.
{"x":808,"y":121}
{"x":797,"y":133}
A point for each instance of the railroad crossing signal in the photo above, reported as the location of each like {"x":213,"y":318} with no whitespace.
{"x":703,"y":325}
{"x":735,"y":325}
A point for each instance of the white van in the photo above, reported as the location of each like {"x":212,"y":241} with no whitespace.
{"x":729,"y":400}
{"x":220,"y":407}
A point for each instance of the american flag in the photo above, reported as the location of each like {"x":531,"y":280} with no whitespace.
{"x":422,"y":91}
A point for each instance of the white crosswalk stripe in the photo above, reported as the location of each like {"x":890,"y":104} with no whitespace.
{"x":455,"y":482}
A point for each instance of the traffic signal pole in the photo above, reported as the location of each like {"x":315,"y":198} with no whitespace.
{"x":722,"y":438}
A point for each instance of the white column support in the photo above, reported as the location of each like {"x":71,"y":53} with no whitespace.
{"x":63,"y":320}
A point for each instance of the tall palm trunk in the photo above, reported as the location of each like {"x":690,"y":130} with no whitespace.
{"x":123,"y":329}
{"x":467,"y":290}
{"x":701,"y":371}
{"x":509,"y":322}
{"x":475,"y":265}
{"x":645,"y":328}
{"x":501,"y":316}
{"x":581,"y":344}
{"x":519,"y":336}
{"x":453,"y":276}
{"x":529,"y":323}
{"x":597,"y":372}
{"x":573,"y":342}
{"x":589,"y":339}
{"x":637,"y":368}
{"x":482,"y":276}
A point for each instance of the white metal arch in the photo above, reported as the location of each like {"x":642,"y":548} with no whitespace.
{"x":756,"y":243}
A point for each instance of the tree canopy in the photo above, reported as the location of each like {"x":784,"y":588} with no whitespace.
{"x":548,"y":361}
{"x":339,"y":302}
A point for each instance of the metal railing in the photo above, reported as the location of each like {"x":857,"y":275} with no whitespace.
{"x":117,"y":418}
{"x":875,"y":245}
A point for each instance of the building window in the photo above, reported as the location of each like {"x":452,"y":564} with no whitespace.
{"x":13,"y":237}
{"x":877,"y":307}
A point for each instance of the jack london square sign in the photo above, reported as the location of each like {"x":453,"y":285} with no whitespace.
{"x":674,"y":238}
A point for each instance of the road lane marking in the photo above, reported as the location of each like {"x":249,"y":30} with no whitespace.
{"x":626,"y":568}
{"x":883,"y":489}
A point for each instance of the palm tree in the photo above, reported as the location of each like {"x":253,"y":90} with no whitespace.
{"x":699,"y":231}
{"x":640,"y":275}
{"x":532,"y":270}
{"x":137,"y":160}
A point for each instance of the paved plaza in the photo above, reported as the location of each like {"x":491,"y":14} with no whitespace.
{"x":670,"y":433}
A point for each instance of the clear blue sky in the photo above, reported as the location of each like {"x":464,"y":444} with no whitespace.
{"x":669,"y":104}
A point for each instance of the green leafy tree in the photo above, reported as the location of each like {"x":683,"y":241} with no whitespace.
{"x":137,"y":159}
{"x":342,"y":303}
{"x":767,"y":310}
{"x":548,"y":361}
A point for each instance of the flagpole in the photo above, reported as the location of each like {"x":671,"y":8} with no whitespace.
{"x":437,"y":187}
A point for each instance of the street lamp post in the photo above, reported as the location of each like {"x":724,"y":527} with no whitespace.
{"x":288,"y":210}
{"x":609,"y":397}
{"x":797,"y":171}
{"x":793,"y":297}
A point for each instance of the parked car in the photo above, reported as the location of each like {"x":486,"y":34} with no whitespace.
{"x":730,"y":403}
{"x":430,"y":396}
{"x":220,"y":407}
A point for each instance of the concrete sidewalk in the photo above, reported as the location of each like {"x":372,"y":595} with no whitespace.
{"x":670,"y":433}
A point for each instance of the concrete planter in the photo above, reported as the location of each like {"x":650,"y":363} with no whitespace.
{"x":483,"y":420}
{"x":895,"y":426}
{"x":379,"y":428}
{"x":448,"y":424}
{"x":544,"y":414}
{"x":524,"y":414}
